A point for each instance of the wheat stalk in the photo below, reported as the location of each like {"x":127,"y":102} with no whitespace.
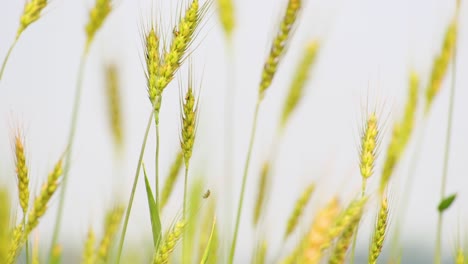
{"x":171,"y":179}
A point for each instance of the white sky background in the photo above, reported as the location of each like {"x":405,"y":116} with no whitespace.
{"x":368,"y":48}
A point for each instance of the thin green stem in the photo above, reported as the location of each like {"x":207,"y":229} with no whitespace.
{"x":184,"y":206}
{"x":156,"y":122}
{"x":132,"y":194}
{"x":71,"y":137}
{"x":229,"y":105}
{"x":448,"y":141}
{"x":185,"y":245}
{"x":7,"y":57}
{"x":27,"y":241}
{"x":353,"y":249}
{"x":244,"y":180}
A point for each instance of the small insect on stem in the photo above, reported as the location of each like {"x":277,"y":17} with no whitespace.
{"x":206,"y":194}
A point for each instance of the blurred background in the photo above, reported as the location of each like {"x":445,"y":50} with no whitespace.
{"x":367,"y":51}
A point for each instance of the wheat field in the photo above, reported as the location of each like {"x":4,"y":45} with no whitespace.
{"x":233,"y":131}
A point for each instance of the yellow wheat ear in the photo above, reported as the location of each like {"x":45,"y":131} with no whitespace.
{"x":4,"y":224}
{"x":89,"y":257}
{"x":22,"y":172}
{"x":279,"y":44}
{"x":97,"y":16}
{"x":169,"y":243}
{"x":380,"y":231}
{"x":441,"y":63}
{"x":31,"y":13}
{"x":114,"y":104}
{"x":227,"y":16}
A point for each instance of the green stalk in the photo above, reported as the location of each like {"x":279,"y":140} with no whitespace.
{"x":229,"y":104}
{"x":185,"y":245}
{"x":244,"y":180}
{"x":27,"y":241}
{"x":448,"y":141}
{"x":71,"y":137}
{"x":408,"y":186}
{"x":7,"y":57}
{"x":156,"y":122}
{"x":353,"y":249}
{"x":135,"y":181}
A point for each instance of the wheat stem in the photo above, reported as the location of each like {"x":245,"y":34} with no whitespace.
{"x":156,"y":122}
{"x":229,"y":126}
{"x":7,"y":56}
{"x":71,"y":137}
{"x":135,"y":181}
{"x":448,"y":141}
{"x":244,"y":180}
{"x":184,"y":218}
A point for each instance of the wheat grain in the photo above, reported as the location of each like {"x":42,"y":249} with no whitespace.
{"x":318,"y":234}
{"x":89,"y":257}
{"x":401,"y":133}
{"x":31,"y":13}
{"x":189,"y":116}
{"x":301,"y":76}
{"x":152,"y":57}
{"x":97,"y":16}
{"x":4,"y":224}
{"x":279,"y":45}
{"x":262,"y":185}
{"x":441,"y":63}
{"x":114,"y":104}
{"x":112,"y":223}
{"x":16,"y":242}
{"x":182,"y":38}
{"x":345,"y":219}
{"x":338,"y":254}
{"x":380,"y":231}
{"x":301,"y":203}
{"x":22,"y":173}
{"x":41,"y":202}
{"x":227,"y":16}
{"x":167,"y":247}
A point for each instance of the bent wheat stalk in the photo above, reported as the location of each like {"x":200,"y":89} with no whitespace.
{"x":31,"y":13}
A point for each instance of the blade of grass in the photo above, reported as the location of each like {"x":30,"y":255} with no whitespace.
{"x":154,"y":212}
